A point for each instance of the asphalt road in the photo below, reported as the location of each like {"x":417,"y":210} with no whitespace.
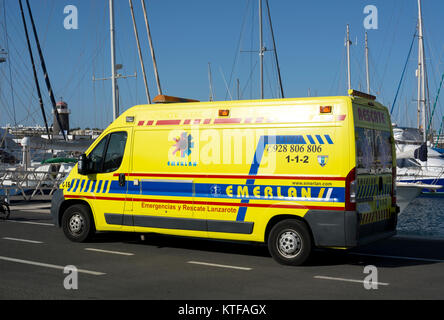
{"x":34,"y":253}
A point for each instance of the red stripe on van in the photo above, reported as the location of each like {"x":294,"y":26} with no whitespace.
{"x":168,"y":122}
{"x":225,"y":121}
{"x":226,"y":204}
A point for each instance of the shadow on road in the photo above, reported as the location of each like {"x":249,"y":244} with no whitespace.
{"x":392,"y":253}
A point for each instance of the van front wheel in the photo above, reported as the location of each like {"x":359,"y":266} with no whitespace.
{"x":77,"y":223}
{"x":290,"y":243}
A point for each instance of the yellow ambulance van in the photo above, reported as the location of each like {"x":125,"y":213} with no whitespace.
{"x":293,"y":173}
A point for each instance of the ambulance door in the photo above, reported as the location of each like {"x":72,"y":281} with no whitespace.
{"x":374,"y":170}
{"x":107,"y":185}
{"x":161,"y":185}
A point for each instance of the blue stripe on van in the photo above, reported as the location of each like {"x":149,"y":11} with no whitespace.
{"x":80,"y":186}
{"x":185,"y":189}
{"x":87,"y":186}
{"x":328,"y":138}
{"x":310,"y":138}
{"x":105,"y":186}
{"x":93,"y":185}
{"x":320,"y":139}
{"x":263,"y":142}
{"x":73,"y":183}
{"x":99,"y":186}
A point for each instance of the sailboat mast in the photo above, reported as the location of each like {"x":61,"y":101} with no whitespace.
{"x":348,"y":59}
{"x":45,"y":72}
{"x":421,"y":75}
{"x":136,"y":34}
{"x":261,"y":49}
{"x":275,"y":51}
{"x":39,"y":93}
{"x":113,"y":61}
{"x":150,"y":41}
{"x":367,"y":69}
{"x":210,"y":80}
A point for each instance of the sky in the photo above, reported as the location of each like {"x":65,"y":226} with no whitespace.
{"x":190,"y":35}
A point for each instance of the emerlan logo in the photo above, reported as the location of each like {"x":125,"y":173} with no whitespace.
{"x":371,"y":20}
{"x":71,"y":21}
{"x":183,"y":145}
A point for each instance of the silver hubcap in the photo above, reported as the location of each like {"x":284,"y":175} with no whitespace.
{"x":76,"y":224}
{"x":289,"y":244}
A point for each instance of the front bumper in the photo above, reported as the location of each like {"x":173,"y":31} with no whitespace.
{"x":57,"y":199}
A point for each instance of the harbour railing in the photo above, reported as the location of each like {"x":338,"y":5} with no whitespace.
{"x":30,"y":185}
{"x":434,"y":173}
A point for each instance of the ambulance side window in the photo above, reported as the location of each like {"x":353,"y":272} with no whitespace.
{"x":115,"y":151}
{"x":96,"y":157}
{"x":107,"y":156}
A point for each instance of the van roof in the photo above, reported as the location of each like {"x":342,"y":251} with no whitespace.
{"x":239,"y":103}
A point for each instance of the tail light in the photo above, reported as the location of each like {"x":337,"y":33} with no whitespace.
{"x":350,"y":191}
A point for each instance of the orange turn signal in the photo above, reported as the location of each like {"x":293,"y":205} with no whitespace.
{"x":224,"y":113}
{"x":326,"y":109}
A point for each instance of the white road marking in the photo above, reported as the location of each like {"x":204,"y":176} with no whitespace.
{"x":51,"y":266}
{"x":396,"y":257}
{"x":111,"y":252}
{"x":350,"y":280}
{"x":34,"y":223}
{"x":220,"y":265}
{"x":22,"y":240}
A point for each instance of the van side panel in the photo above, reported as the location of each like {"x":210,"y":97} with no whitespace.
{"x":228,"y":177}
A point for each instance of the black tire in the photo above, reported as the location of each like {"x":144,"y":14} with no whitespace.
{"x":289,"y":242}
{"x":78,"y":224}
{"x":4,"y":210}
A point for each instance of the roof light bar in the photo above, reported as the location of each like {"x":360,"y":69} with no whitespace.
{"x":168,"y":99}
{"x":356,"y":93}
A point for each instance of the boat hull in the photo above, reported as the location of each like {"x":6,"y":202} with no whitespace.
{"x":429,"y":181}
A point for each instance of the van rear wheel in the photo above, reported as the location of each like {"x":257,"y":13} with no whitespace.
{"x":290,"y":242}
{"x":77,"y":223}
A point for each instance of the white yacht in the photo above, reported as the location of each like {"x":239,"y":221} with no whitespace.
{"x":411,"y":168}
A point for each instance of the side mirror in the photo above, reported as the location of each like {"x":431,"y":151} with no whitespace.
{"x":82,"y":167}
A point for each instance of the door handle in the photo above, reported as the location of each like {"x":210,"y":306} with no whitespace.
{"x":122,"y":179}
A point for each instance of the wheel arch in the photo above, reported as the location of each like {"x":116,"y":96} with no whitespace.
{"x":68,"y":203}
{"x":281,"y":217}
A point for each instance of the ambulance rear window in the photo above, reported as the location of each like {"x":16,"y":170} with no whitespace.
{"x":373,"y":150}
